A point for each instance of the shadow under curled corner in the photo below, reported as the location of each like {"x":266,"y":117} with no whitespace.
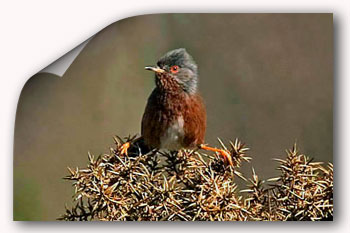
{"x":61,"y":65}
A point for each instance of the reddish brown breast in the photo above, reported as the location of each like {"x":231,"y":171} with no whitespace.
{"x":195,"y":119}
{"x":164,"y":109}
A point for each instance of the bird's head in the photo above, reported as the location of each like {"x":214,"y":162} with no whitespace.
{"x":176,"y":66}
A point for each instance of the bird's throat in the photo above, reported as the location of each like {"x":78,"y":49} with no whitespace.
{"x":166,"y":83}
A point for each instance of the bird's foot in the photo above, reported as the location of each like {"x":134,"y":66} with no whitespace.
{"x":224,"y":153}
{"x":124,"y":148}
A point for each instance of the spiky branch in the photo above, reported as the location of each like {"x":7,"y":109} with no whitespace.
{"x":190,"y":185}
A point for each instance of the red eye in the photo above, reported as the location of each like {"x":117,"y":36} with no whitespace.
{"x":174,"y":69}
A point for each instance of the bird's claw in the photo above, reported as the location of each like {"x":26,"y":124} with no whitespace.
{"x":124,"y":148}
{"x":224,"y":153}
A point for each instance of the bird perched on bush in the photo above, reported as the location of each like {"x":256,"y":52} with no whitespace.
{"x":175,"y":116}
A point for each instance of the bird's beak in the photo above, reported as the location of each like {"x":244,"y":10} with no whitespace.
{"x":155,"y":69}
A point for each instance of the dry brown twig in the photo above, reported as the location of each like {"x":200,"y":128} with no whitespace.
{"x":190,"y":186}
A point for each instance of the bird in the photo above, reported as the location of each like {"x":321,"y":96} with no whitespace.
{"x":175,"y":114}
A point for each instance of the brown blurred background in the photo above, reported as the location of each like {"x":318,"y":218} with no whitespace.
{"x":266,"y":79}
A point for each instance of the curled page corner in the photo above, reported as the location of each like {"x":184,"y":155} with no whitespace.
{"x":61,"y":65}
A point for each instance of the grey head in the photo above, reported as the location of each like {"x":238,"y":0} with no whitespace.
{"x":179,"y":65}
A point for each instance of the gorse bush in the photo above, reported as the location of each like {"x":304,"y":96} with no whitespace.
{"x":190,"y":185}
